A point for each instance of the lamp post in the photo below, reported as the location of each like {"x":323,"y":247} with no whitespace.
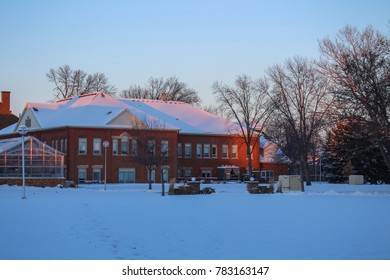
{"x":106,"y":144}
{"x":23,"y":131}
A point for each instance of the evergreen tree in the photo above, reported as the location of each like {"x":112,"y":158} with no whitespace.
{"x":349,"y":150}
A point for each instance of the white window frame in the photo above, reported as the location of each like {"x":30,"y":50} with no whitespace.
{"x":206,"y":173}
{"x":126,"y":170}
{"x":206,"y":151}
{"x":97,"y":146}
{"x":214,"y":151}
{"x":97,"y":171}
{"x":188,"y":150}
{"x":83,"y":143}
{"x":164,"y":148}
{"x":226,"y":149}
{"x":179,"y":150}
{"x":115,"y":145}
{"x":123,"y":145}
{"x":82,"y":171}
{"x":267,"y":174}
{"x":234,"y":153}
{"x":151,"y":147}
{"x":199,"y":150}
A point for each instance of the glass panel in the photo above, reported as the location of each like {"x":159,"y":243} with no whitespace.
{"x":179,"y":150}
{"x":198,"y":150}
{"x":125,"y":148}
{"x":115,"y":146}
{"x":97,"y":146}
{"x":82,"y":146}
{"x":206,"y":152}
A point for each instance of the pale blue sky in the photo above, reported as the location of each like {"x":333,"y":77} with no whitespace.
{"x":197,"y":41}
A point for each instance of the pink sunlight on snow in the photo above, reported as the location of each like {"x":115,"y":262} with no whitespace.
{"x":130,"y":222}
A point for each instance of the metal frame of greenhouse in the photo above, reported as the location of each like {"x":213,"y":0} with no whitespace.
{"x":41,"y":160}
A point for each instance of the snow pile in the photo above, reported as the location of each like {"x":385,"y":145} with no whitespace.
{"x":131,"y":222}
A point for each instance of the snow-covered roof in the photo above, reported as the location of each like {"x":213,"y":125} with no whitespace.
{"x":8,"y":144}
{"x":271,"y":152}
{"x":102,"y":110}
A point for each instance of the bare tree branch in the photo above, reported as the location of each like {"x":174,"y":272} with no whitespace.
{"x":246,"y":104}
{"x":301,"y":99}
{"x":172,"y":87}
{"x":70,"y":82}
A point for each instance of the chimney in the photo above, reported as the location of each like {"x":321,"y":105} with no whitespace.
{"x":5,"y":103}
{"x":164,"y":96}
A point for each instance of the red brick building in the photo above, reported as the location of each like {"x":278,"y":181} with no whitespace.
{"x":193,"y":142}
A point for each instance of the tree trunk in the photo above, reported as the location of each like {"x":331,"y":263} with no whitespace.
{"x":163,"y":188}
{"x":249,"y":156}
{"x":150,"y":178}
{"x":307,"y":174}
{"x":162,"y":183}
{"x":301,"y":172}
{"x":385,"y":154}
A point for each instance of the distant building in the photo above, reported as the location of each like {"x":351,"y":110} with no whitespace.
{"x":197,"y":143}
{"x":6,"y":116}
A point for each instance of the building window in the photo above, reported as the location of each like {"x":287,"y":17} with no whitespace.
{"x":66,"y":146}
{"x":125,"y":146}
{"x":224,"y":151}
{"x":206,"y":173}
{"x":165,"y":174}
{"x":188,"y":172}
{"x":206,"y":151}
{"x":82,"y":175}
{"x":82,"y":146}
{"x":198,"y":150}
{"x":97,"y":175}
{"x":126,"y":175}
{"x":267,"y":174}
{"x":133,"y":147}
{"x":187,"y":150}
{"x":151,"y":146}
{"x":164,"y":148}
{"x":62,"y":145}
{"x":234,"y":151}
{"x":27,"y":122}
{"x":97,"y":146}
{"x":115,"y":146}
{"x":214,"y":153}
{"x":152,"y":176}
{"x":180,"y":172}
{"x":179,"y":150}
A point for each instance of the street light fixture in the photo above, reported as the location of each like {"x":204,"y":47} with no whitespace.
{"x":106,"y":144}
{"x":22,"y":130}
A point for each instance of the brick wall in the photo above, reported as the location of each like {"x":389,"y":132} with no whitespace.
{"x":44,"y":182}
{"x":88,"y":161}
{"x":73,"y":160}
{"x":197,"y":164}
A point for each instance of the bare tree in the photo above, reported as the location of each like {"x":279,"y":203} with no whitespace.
{"x":174,"y":89}
{"x":214,"y":109}
{"x":301,"y":99}
{"x":358,"y":63}
{"x":153,"y":149}
{"x":246,"y":104}
{"x":68,"y":82}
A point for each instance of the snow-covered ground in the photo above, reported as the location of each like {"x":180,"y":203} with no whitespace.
{"x":131,"y":222}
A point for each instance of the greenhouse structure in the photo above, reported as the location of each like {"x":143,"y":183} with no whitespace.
{"x":43,"y":165}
